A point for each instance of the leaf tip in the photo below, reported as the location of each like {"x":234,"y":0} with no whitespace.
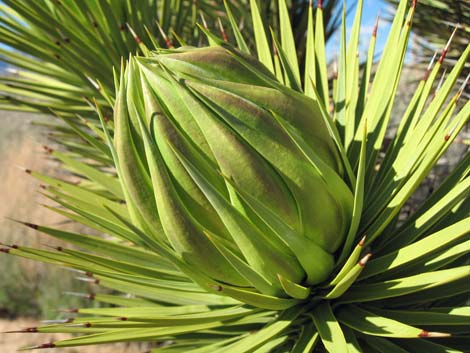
{"x":427,"y":334}
{"x":362,"y":262}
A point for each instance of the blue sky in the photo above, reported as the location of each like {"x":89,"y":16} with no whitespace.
{"x":371,"y":9}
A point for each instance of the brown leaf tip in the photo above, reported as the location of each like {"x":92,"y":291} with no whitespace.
{"x":364,"y":260}
{"x":43,"y":346}
{"x":446,"y":48}
{"x":69,"y":311}
{"x":25,"y":330}
{"x":376,"y":25}
{"x":427,"y":334}
{"x":48,"y":149}
{"x":164,"y":36}
{"x":363,"y":241}
{"x":423,"y":334}
{"x":31,"y":225}
{"x":134,"y":34}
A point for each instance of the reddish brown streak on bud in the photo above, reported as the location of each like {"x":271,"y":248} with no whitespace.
{"x":413,"y":4}
{"x":28,"y":171}
{"x":4,"y":250}
{"x":87,"y":324}
{"x":320,"y":4}
{"x":123,"y":318}
{"x":89,"y":274}
{"x":447,"y":137}
{"x":14,"y":246}
{"x":59,"y":248}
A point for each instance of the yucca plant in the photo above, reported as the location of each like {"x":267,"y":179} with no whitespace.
{"x":55,"y":49}
{"x":67,"y":37}
{"x":447,"y":16}
{"x":252,"y":212}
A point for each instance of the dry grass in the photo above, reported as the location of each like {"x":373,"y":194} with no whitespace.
{"x":27,"y":287}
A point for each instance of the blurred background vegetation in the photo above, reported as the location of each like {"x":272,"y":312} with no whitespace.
{"x":21,"y":280}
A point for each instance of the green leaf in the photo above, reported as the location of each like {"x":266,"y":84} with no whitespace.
{"x":418,"y":249}
{"x":262,"y":44}
{"x":372,"y":324}
{"x":401,"y":286}
{"x":287,"y":40}
{"x":266,"y":334}
{"x":329,"y":329}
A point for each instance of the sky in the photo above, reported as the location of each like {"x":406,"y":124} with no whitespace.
{"x":370,"y":11}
